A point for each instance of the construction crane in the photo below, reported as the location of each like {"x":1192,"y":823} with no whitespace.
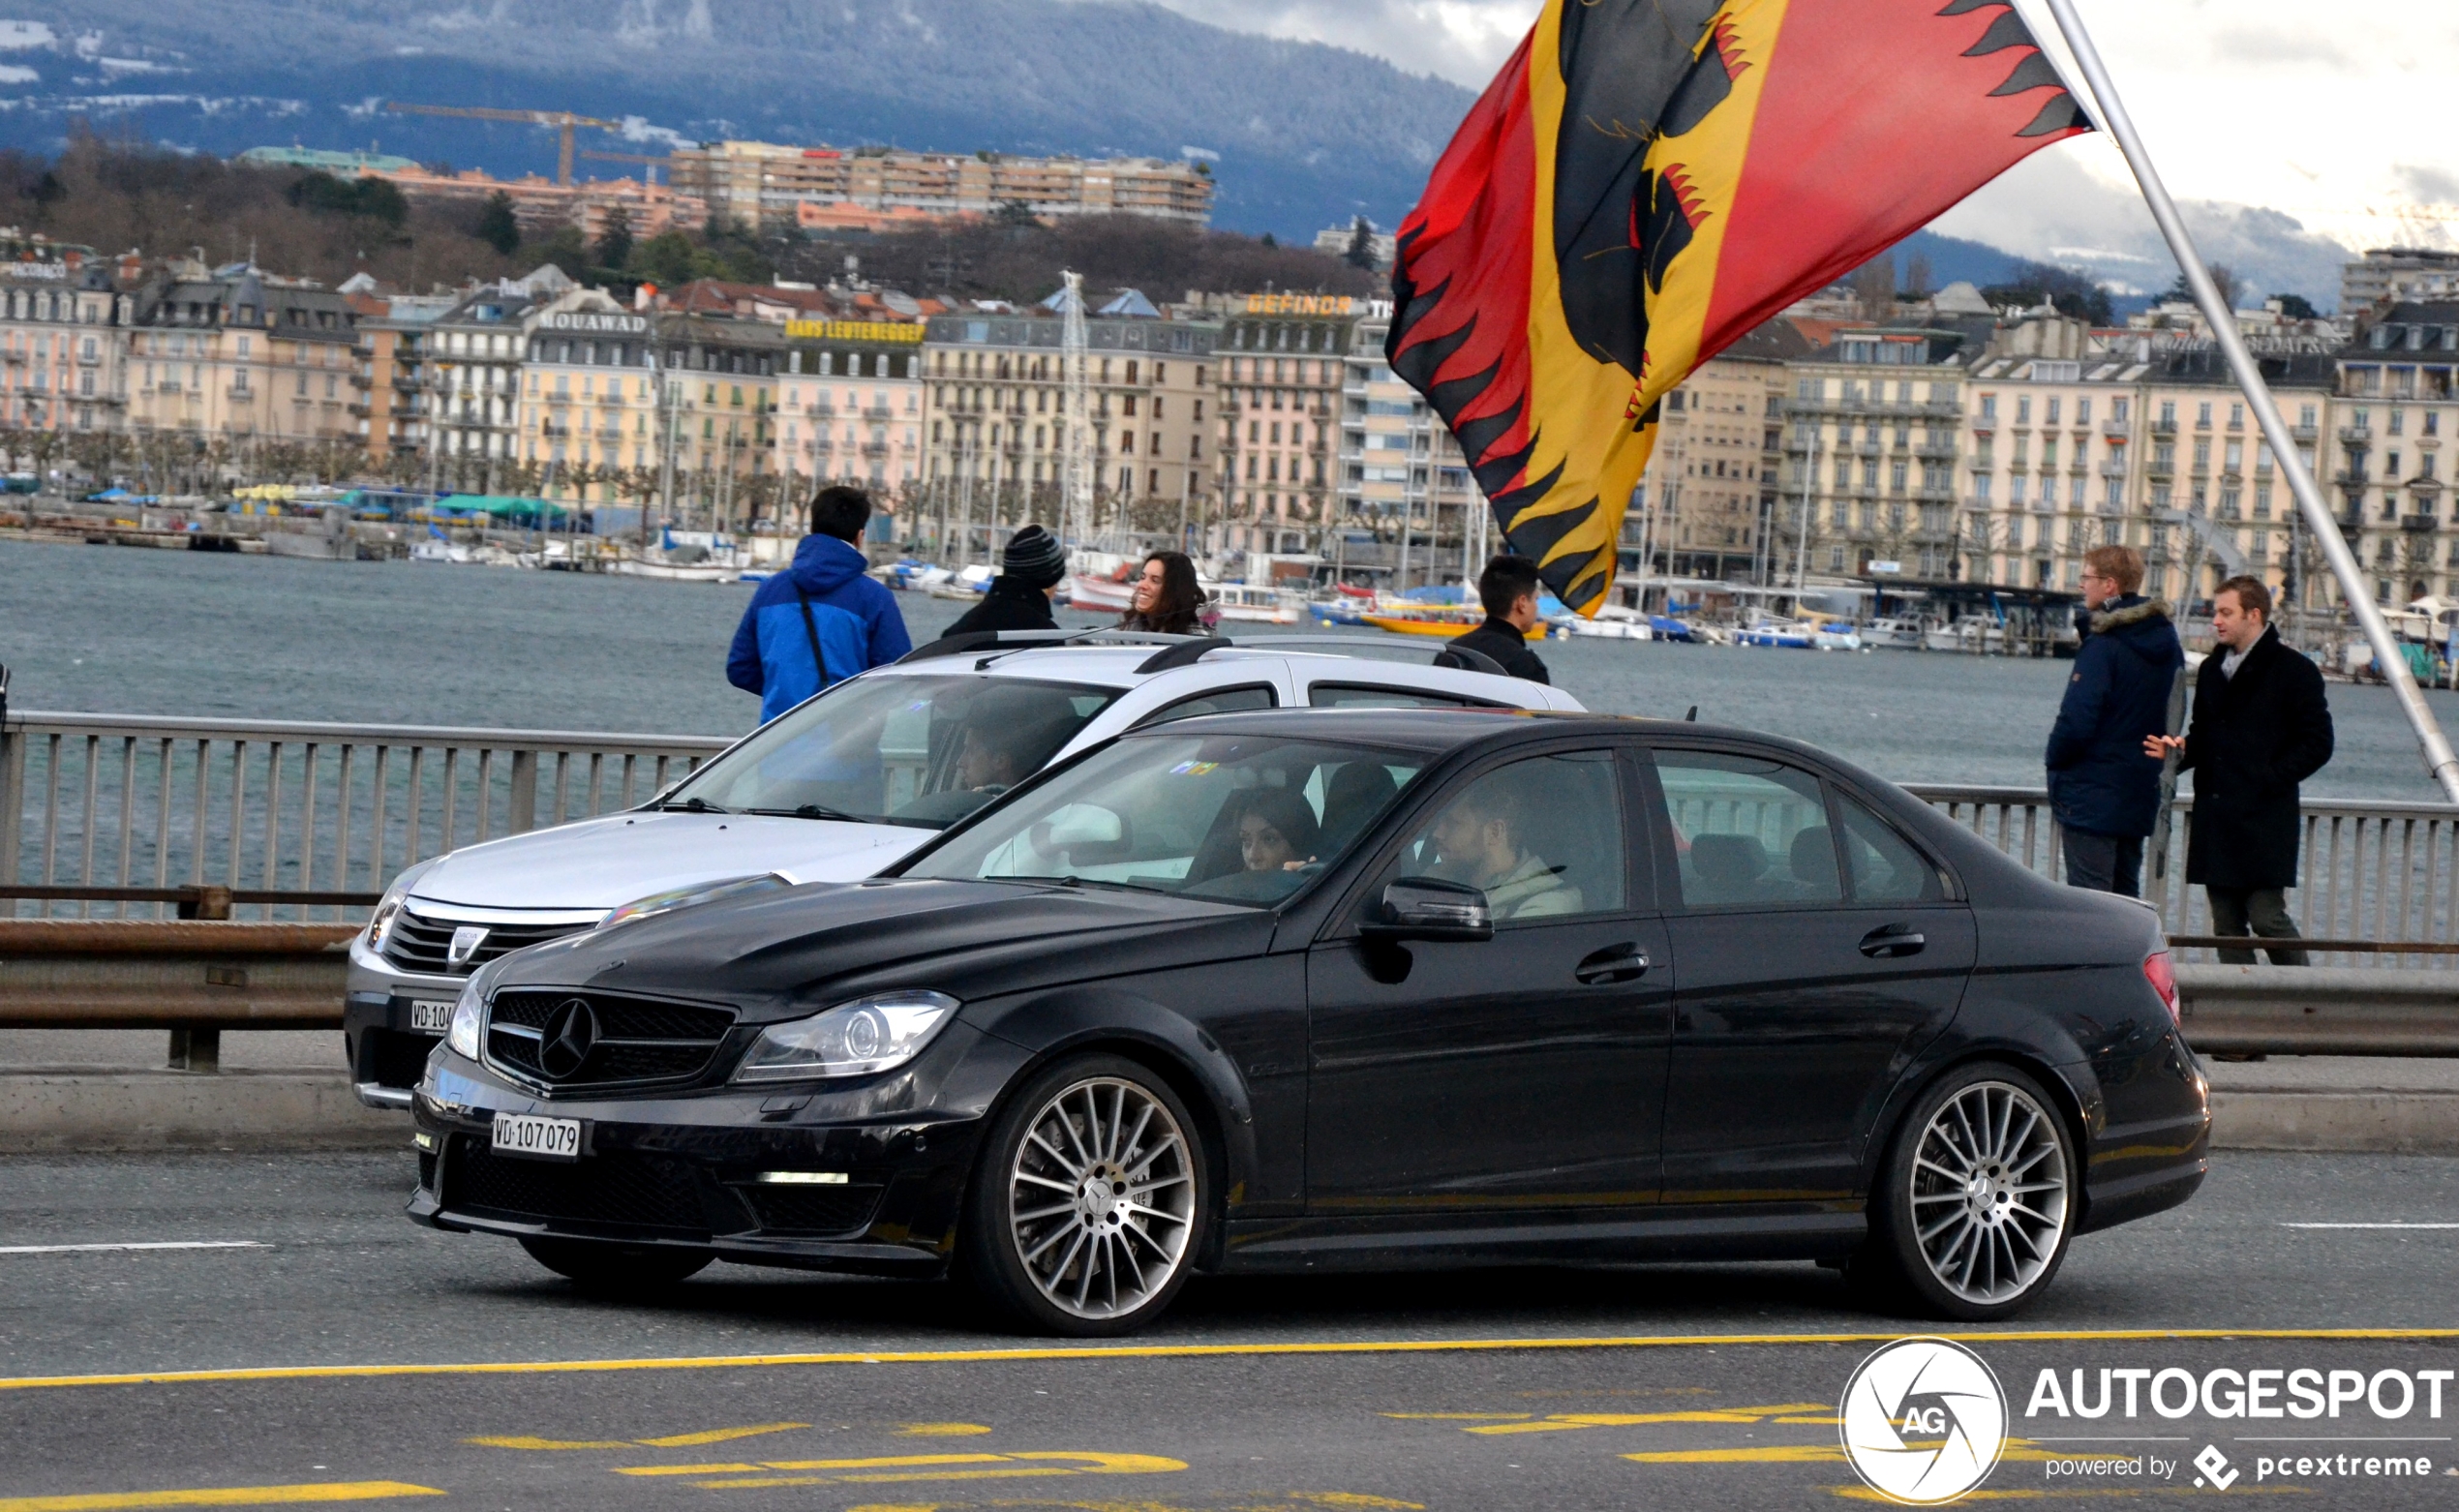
{"x":653,"y":163}
{"x":562,"y":122}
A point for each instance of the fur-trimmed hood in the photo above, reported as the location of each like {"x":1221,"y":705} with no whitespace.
{"x":2104,"y":620}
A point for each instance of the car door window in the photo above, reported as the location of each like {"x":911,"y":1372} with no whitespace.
{"x":1883,"y":864}
{"x":1748,"y":832}
{"x":1362,"y":695}
{"x":1543,"y":839}
{"x":1220,"y":701}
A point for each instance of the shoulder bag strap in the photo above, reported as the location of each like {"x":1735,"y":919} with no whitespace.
{"x":819,"y":660}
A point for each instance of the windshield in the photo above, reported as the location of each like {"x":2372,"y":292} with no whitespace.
{"x":909,"y":750}
{"x":1237,"y":819}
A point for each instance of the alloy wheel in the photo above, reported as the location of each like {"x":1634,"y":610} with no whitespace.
{"x":1990,"y":1193}
{"x":1101,"y":1198}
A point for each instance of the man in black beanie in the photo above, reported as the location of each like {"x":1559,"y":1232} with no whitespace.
{"x":1019,"y":597}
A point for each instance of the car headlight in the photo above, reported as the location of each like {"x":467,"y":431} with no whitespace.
{"x":379,"y":924}
{"x":657,"y":903}
{"x":463,"y":1037}
{"x":877,"y":1033}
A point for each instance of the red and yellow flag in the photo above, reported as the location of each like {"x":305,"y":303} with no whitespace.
{"x":1645,"y":182}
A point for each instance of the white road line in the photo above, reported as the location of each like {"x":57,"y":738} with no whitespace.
{"x":2370,"y":1226}
{"x":160,"y":1244}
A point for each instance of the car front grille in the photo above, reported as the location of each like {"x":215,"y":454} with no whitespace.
{"x":391,"y":1058}
{"x":814,"y":1211}
{"x":635,"y":1041}
{"x":423,"y":945}
{"x":642,"y":1191}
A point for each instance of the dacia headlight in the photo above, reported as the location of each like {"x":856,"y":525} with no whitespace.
{"x":471,"y":1007}
{"x":379,"y":924}
{"x":657,"y":903}
{"x":872,"y":1034}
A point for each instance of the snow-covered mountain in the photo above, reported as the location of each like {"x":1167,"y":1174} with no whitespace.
{"x":1306,"y":134}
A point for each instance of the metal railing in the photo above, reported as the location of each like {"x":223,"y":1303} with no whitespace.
{"x":133,"y":801}
{"x":2381,"y":872}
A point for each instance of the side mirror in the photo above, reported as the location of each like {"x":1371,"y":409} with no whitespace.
{"x":1088,"y":835}
{"x":1430,"y":908}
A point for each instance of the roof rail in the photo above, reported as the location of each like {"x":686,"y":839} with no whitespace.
{"x":1036,"y":640}
{"x":1470,"y":659}
{"x":1189,"y":651}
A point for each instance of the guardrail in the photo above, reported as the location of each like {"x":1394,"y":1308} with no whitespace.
{"x":2318,"y":1011}
{"x":193,"y":978}
{"x":129,"y":802}
{"x":2367,"y":871}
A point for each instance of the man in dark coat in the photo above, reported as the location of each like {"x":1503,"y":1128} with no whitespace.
{"x":1019,"y":597}
{"x":2103,"y":787}
{"x":1508,"y":589}
{"x":2261,"y":726}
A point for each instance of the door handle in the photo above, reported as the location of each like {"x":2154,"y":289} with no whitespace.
{"x":1888,"y":942}
{"x":1624,"y":963}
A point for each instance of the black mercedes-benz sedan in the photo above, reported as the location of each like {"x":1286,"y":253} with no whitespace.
{"x":1359,"y":989}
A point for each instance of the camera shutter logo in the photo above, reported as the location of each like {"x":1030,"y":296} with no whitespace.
{"x":1923,"y":1421}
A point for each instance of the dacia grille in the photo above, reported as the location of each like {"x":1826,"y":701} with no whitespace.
{"x":422,"y":945}
{"x":568,"y":1039}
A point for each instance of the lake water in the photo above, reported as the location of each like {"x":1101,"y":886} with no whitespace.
{"x":130,"y":631}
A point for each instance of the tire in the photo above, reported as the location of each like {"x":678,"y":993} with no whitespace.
{"x":1976,"y":1202}
{"x":617,"y":1269}
{"x":1054,"y":1240}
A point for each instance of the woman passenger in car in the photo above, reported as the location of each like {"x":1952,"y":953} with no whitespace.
{"x":1277,"y":830}
{"x":1480,"y":840}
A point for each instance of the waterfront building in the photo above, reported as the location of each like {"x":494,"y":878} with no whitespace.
{"x":2053,"y":427}
{"x":590,"y":422}
{"x":1410,"y":513}
{"x":1284,"y":360}
{"x":722,"y":375}
{"x":1702,"y":508}
{"x":852,"y":407}
{"x":2397,"y":404}
{"x":2211,"y":503}
{"x":765,"y":185}
{"x":64,"y":343}
{"x":391,"y":375}
{"x":2395,"y":275}
{"x":238,"y":353}
{"x":472,"y":357}
{"x":1868,"y":486}
{"x":995,"y":411}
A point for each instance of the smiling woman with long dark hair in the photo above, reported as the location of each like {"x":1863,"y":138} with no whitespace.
{"x":1168,"y":601}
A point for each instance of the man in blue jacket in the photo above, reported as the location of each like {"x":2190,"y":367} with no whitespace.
{"x":822,"y":621}
{"x":2104,"y":788}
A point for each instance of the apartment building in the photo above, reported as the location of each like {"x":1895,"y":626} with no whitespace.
{"x":1870,"y":450}
{"x":1409,"y":511}
{"x":2052,"y":433}
{"x":64,"y":344}
{"x":589,"y":416}
{"x":1701,"y":509}
{"x":1284,"y":360}
{"x":472,"y":360}
{"x":763,"y":184}
{"x":236,"y":351}
{"x":2211,"y":502}
{"x":2390,"y":470}
{"x":723,"y":378}
{"x":2398,"y":275}
{"x":996,"y":409}
{"x":851,"y":408}
{"x":391,"y":376}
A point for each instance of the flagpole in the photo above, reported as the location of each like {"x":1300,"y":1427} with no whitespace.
{"x":2438,"y":756}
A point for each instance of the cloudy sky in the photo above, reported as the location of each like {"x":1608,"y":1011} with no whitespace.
{"x":2337,"y":116}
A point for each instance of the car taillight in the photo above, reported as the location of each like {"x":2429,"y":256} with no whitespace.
{"x":2160,"y":969}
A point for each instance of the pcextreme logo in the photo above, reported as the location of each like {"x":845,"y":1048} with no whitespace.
{"x":1923,"y":1421}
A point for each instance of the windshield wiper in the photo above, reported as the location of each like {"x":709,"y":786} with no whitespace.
{"x":812,"y":812}
{"x":690,"y":806}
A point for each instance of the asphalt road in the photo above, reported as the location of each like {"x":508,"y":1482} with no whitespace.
{"x":1608,"y":1388}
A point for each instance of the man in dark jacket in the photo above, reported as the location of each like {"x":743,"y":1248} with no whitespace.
{"x":821,"y":620}
{"x":2261,"y":726}
{"x":1508,"y":589}
{"x":1019,"y":597}
{"x":2104,"y":788}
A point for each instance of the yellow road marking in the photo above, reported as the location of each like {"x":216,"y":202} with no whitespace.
{"x":882,"y":1469}
{"x":883,"y":1462}
{"x":940,"y":1430}
{"x":686,"y":1469}
{"x":1349,"y":1498}
{"x":525,"y":1441}
{"x":1189,"y":1351}
{"x":1559,"y":1421}
{"x":720,"y":1436}
{"x":221,"y":1496}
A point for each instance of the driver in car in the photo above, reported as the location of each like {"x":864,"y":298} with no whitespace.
{"x":1478,"y":838}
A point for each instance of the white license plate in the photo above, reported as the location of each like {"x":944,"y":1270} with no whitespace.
{"x":431,"y":1018}
{"x":544,"y":1138}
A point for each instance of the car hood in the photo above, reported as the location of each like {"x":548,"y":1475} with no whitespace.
{"x":605,"y":862}
{"x":781,"y":953}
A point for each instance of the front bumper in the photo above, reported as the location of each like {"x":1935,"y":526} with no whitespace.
{"x":683,"y":1170}
{"x":387,"y":1056}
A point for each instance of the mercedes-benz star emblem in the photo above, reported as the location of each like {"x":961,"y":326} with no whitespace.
{"x":570,"y":1034}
